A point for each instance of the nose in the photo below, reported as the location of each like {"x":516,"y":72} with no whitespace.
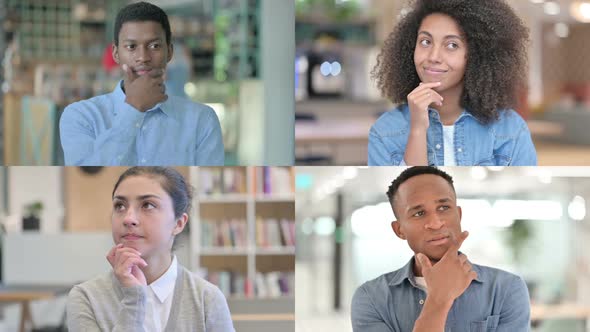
{"x":434,"y":54}
{"x":143,"y":54}
{"x":130,"y":218}
{"x":434,"y":222}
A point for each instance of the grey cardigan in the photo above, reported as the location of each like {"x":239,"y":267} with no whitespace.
{"x":101,"y":304}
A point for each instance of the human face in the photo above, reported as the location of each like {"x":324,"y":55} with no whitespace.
{"x":428,"y":215}
{"x":441,"y":52}
{"x":142,"y":47}
{"x":143,"y":216}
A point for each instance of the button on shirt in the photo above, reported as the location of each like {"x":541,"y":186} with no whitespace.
{"x":496,"y":301}
{"x":504,"y":142}
{"x":159,"y":299}
{"x":105,"y":131}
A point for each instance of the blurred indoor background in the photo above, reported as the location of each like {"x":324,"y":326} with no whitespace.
{"x":234,"y":55}
{"x":532,"y":221}
{"x":337,"y":42}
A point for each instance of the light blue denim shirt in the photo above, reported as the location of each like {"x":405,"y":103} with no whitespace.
{"x":106,"y":131}
{"x":497,"y":301}
{"x":505,"y":142}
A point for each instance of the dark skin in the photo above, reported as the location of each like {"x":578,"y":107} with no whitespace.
{"x":143,"y":54}
{"x":430,"y":220}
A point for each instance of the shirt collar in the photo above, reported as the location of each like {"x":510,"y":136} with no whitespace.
{"x":434,"y":114}
{"x":407,"y":272}
{"x":120,"y":97}
{"x":164,"y":286}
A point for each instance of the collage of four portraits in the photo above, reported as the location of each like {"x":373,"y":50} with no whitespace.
{"x":295,"y":165}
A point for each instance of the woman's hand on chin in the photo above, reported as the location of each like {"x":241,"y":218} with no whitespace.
{"x":126,"y":263}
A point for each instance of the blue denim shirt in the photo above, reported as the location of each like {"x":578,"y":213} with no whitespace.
{"x":106,"y":131}
{"x":497,"y":301}
{"x":505,"y":142}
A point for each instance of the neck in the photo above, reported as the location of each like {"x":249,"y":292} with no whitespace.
{"x":451,"y":108}
{"x":157,"y":266}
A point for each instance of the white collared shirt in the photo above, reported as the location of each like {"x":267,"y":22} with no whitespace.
{"x":159,"y":299}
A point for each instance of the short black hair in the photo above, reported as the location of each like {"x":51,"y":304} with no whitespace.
{"x":411,"y":172}
{"x":142,"y":11}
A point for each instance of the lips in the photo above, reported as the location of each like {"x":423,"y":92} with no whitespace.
{"x":439,"y":239}
{"x":142,"y":70}
{"x":434,"y":71}
{"x":131,"y":237}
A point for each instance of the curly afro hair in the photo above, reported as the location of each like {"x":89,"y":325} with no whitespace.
{"x":496,"y":70}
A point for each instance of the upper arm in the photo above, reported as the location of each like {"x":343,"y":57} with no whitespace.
{"x":364,"y":315}
{"x":210,"y":150}
{"x":79,"y":313}
{"x":524,"y":150}
{"x":217,"y":315}
{"x":516,"y":310}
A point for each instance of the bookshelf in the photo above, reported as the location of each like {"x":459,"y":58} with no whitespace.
{"x":242,"y":237}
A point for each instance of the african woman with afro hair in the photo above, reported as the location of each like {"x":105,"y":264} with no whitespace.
{"x":456,"y":69}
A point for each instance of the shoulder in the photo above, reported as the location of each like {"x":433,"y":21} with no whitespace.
{"x":200,"y":287}
{"x":499,"y":278}
{"x":188,"y":108}
{"x":392,"y":121}
{"x":376,"y":287}
{"x":97,"y":287}
{"x":89,"y":108}
{"x":509,"y":120}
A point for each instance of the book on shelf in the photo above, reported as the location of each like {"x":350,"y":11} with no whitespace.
{"x":226,"y":233}
{"x":275,"y":232}
{"x":230,"y":283}
{"x":221,"y":180}
{"x":274,"y":284}
{"x":273,"y":180}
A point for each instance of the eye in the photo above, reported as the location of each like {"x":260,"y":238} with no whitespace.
{"x":148,"y":206}
{"x":155,"y":45}
{"x":424,"y":42}
{"x":118,"y":206}
{"x":418,"y":214}
{"x":452,"y":45}
{"x":130,"y":47}
{"x":443,"y":207}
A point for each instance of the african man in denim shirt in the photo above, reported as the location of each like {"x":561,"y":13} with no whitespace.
{"x":439,"y":289}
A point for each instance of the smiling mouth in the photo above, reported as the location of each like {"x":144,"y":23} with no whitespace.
{"x":434,"y":71}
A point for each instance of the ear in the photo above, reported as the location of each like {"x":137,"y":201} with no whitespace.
{"x":460,"y":213}
{"x":115,"y":51}
{"x":397,"y":229}
{"x":180,"y":223}
{"x":170,"y":52}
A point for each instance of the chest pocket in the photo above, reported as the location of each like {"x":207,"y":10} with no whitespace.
{"x":501,"y":155}
{"x":488,"y":325}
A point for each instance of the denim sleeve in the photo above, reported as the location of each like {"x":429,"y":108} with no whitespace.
{"x":516,"y":311}
{"x":524,"y":150}
{"x":82,"y":146}
{"x":209,"y":149}
{"x":364,"y":315}
{"x":378,"y":153}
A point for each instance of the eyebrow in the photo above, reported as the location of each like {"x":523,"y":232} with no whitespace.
{"x":420,"y":206}
{"x":149,"y":41}
{"x":139,"y":198}
{"x":445,"y":37}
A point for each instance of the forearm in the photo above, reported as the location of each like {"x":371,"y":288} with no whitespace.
{"x":416,"y":149}
{"x":433,"y":316}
